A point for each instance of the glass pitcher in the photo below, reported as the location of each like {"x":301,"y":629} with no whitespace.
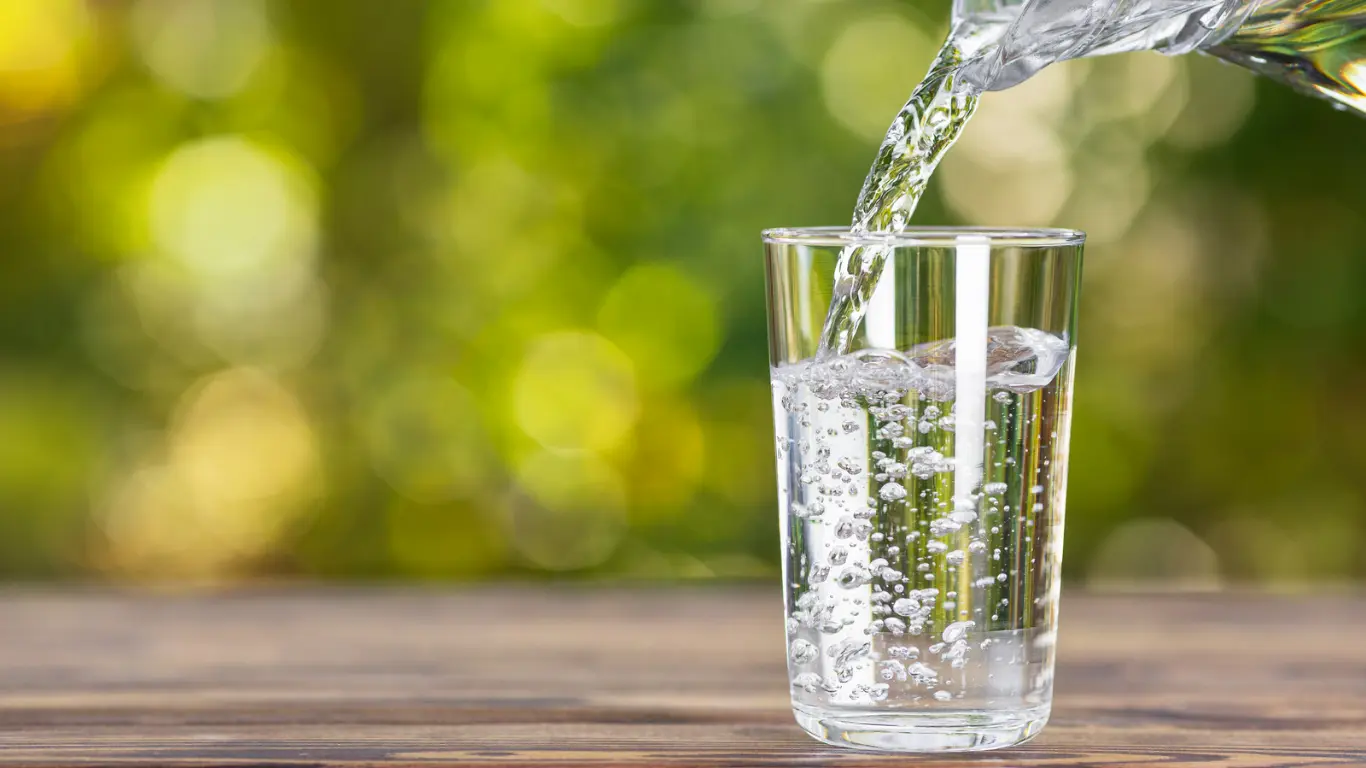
{"x":1316,"y":46}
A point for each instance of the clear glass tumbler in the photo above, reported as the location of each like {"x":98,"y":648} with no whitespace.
{"x":921,"y":479}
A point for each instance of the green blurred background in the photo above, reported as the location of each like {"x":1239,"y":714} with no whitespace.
{"x":472,"y":289}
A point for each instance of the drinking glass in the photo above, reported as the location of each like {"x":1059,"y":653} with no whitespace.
{"x":921,"y":480}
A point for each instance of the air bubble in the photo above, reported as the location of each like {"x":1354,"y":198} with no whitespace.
{"x":957,"y":631}
{"x":802,"y":652}
{"x":809,"y":682}
{"x":853,"y":576}
{"x":921,"y":674}
{"x":892,"y":669}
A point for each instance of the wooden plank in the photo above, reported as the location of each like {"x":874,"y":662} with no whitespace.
{"x":556,"y":676}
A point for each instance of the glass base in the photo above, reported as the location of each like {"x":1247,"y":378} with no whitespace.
{"x":884,"y":731}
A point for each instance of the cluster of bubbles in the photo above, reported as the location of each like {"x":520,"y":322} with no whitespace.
{"x":872,"y":435}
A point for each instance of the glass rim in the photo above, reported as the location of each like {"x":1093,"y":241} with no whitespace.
{"x":928,"y":237}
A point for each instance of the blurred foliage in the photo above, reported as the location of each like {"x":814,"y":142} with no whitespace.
{"x":473,"y":288}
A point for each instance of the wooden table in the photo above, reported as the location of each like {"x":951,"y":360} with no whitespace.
{"x":542,"y":676}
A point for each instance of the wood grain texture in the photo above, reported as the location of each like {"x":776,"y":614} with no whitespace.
{"x":533,"y":677}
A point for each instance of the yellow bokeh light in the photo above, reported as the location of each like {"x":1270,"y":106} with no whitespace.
{"x":1010,"y":166}
{"x":425,"y":438}
{"x":235,"y":225}
{"x":228,"y":208}
{"x":205,"y":48}
{"x":241,"y":436}
{"x":240,"y":468}
{"x":664,"y":320}
{"x":1146,"y":90}
{"x":867,"y":73}
{"x":149,"y":524}
{"x":40,"y":53}
{"x":571,"y":515}
{"x":1026,"y":193}
{"x":575,"y":390}
{"x":39,"y":34}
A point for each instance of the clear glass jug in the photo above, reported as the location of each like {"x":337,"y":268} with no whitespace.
{"x":1316,"y":46}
